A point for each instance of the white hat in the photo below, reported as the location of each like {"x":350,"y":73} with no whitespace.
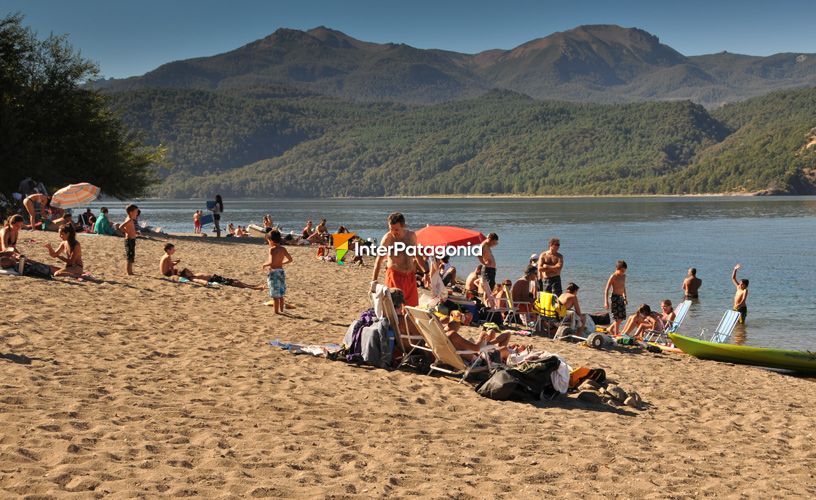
{"x":534,"y":256}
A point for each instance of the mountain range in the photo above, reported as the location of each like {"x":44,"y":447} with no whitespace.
{"x":594,"y":63}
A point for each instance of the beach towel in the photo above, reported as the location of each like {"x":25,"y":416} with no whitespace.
{"x":405,"y":282}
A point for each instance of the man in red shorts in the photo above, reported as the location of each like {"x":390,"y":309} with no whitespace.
{"x":400,"y":270}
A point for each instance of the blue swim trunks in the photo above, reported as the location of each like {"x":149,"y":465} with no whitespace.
{"x":276,"y":279}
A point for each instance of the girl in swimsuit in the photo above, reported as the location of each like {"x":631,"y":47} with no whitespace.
{"x":10,"y":232}
{"x":73,"y":253}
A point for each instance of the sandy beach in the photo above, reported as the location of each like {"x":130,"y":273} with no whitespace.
{"x":142,"y":387}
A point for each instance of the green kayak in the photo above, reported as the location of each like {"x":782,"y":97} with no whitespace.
{"x":799,"y":361}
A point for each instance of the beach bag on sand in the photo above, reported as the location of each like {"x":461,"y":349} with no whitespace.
{"x":353,"y":338}
{"x":534,"y":377}
{"x":529,"y":380}
{"x":36,"y":270}
{"x":501,"y":385}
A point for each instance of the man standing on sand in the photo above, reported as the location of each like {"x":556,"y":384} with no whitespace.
{"x":488,"y":261}
{"x":550,"y":264}
{"x":692,"y":284}
{"x":400,"y":268}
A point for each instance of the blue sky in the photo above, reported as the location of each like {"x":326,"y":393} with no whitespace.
{"x":131,"y":37}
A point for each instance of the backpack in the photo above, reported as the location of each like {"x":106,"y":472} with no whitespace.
{"x":353,"y":338}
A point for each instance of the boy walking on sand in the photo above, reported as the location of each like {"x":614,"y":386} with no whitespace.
{"x":741,"y":296}
{"x":129,"y":229}
{"x":276,"y":278}
{"x":617,"y":285}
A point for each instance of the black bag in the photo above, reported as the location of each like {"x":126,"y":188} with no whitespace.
{"x":36,"y":270}
{"x":501,"y":385}
{"x":534,"y":377}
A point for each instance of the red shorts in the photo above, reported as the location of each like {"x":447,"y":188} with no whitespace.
{"x":405,"y":282}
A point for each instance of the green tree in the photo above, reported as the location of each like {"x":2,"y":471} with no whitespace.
{"x":56,"y":131}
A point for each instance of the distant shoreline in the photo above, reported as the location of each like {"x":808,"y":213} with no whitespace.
{"x":501,"y":196}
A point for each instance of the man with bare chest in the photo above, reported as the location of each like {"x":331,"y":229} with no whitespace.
{"x":400,"y":270}
{"x":550,"y":264}
{"x":488,"y":261}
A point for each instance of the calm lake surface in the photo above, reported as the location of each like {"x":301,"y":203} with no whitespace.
{"x":660,"y":238}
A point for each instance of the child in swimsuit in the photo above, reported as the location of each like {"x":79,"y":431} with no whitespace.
{"x":276,"y":277}
{"x":73,"y":253}
{"x":617,"y":285}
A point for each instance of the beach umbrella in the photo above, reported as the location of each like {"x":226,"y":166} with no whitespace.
{"x":75,"y":195}
{"x":435,"y":236}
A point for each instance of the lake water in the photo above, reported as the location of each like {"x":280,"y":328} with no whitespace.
{"x":660,"y":238}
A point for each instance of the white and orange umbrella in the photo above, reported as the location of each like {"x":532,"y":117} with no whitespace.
{"x":75,"y":195}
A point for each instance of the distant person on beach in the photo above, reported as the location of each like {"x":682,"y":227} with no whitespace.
{"x":550,"y":264}
{"x":642,"y":321}
{"x":73,"y":253}
{"x":36,"y":205}
{"x":217,"y":210}
{"x":276,"y":277}
{"x":87,"y":219}
{"x":400,"y":269}
{"x":667,"y":312}
{"x":10,"y":232}
{"x":741,"y":296}
{"x":692,"y":284}
{"x":448,"y":272}
{"x":569,"y":299}
{"x":307,"y":230}
{"x":520,"y":292}
{"x":489,"y":261}
{"x":197,"y":222}
{"x":167,"y":267}
{"x":618,"y":301}
{"x":128,"y":227}
{"x":103,"y":225}
{"x":472,"y":282}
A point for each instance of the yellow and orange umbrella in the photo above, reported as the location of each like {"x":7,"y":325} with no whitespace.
{"x":75,"y":195}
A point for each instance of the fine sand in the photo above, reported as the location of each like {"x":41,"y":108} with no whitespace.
{"x":144,"y":387}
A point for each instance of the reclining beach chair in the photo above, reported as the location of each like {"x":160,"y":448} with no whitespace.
{"x":384,"y":307}
{"x":659,"y":337}
{"x":726,"y":327}
{"x":447,"y":359}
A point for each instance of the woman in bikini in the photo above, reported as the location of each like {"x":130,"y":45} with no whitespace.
{"x":73,"y":253}
{"x":10,"y":232}
{"x":32,"y":203}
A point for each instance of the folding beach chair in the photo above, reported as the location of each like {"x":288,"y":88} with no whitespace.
{"x":408,"y":341}
{"x":491,"y":312}
{"x":514,"y":312}
{"x":726,"y":327}
{"x":549,"y":310}
{"x":659,"y":337}
{"x":447,"y":359}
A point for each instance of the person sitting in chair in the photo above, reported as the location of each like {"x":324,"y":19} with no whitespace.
{"x":487,"y":337}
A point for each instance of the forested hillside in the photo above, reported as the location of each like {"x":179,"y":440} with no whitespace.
{"x":285,"y":143}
